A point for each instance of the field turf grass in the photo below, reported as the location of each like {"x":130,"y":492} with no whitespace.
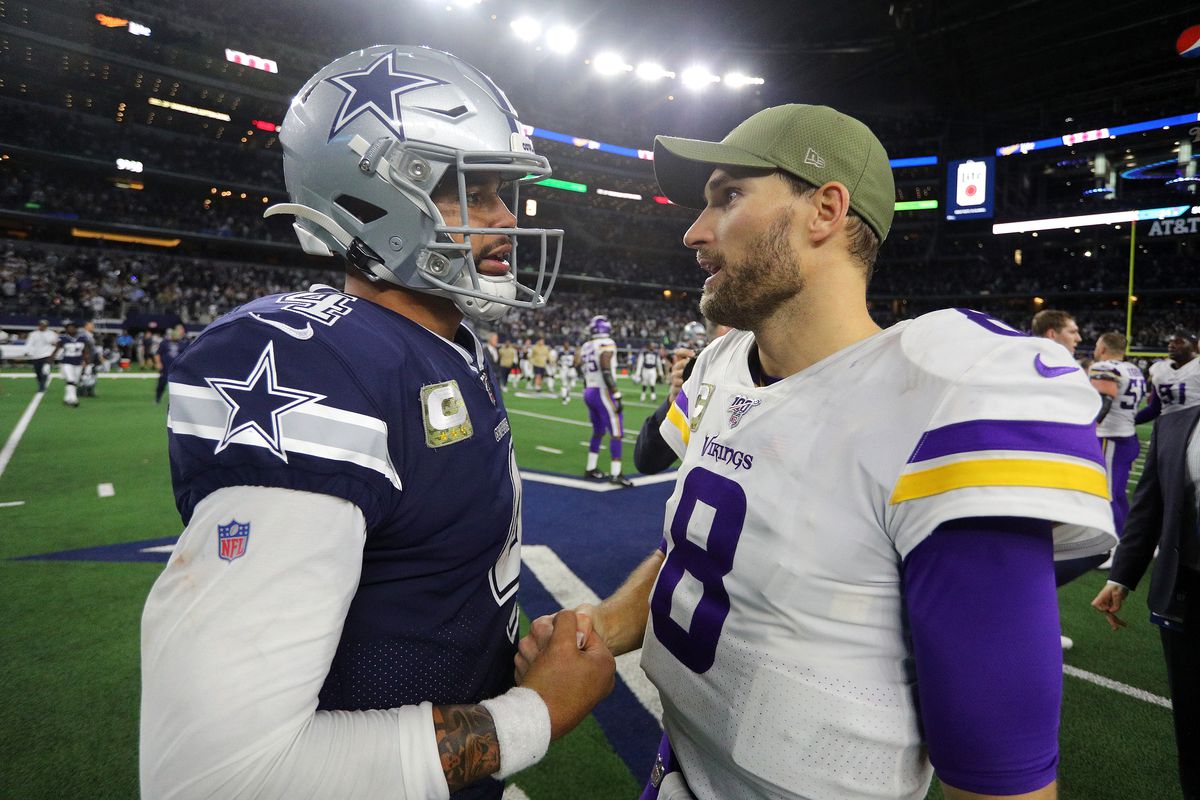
{"x":69,"y":645}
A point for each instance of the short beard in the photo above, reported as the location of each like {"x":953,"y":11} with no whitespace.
{"x":766,"y":279}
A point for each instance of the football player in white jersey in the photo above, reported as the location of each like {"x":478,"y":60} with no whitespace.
{"x":1124,"y":387}
{"x":1174,"y":381}
{"x":597,"y":359}
{"x":831,"y":555}
{"x":567,"y":374}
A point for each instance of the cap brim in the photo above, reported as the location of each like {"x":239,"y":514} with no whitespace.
{"x":682,"y":166}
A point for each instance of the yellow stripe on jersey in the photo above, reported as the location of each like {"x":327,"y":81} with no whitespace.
{"x":1001,"y":472}
{"x":676,"y":418}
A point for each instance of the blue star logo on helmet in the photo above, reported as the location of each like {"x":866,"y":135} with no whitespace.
{"x":376,"y":90}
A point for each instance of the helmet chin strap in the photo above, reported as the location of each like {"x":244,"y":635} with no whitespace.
{"x":358,"y":253}
{"x":501,"y":286}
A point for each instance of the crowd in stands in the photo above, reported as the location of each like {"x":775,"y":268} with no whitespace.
{"x":86,"y":283}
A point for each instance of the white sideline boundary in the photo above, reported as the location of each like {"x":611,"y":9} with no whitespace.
{"x":14,"y":438}
{"x":1116,"y":686}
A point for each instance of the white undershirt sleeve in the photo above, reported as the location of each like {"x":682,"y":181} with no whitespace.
{"x":234,"y":653}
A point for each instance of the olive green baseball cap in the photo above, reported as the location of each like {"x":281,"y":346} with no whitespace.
{"x":815,"y":143}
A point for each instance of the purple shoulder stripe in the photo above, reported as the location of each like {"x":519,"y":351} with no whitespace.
{"x":681,"y":400}
{"x":1003,"y":434}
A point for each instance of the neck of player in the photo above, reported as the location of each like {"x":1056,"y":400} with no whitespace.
{"x":438,"y":314}
{"x":830,"y":314}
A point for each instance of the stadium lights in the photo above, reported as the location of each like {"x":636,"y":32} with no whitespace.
{"x":252,"y":61}
{"x":527,"y":29}
{"x":621,"y":195}
{"x":561,"y":39}
{"x":154,"y":241}
{"x":555,"y":183}
{"x":651,"y":71}
{"x":129,"y":165}
{"x":1098,"y":134}
{"x":736,"y":80}
{"x":698,"y":78}
{"x":1088,"y":220}
{"x":610,"y":64}
{"x":199,"y":112}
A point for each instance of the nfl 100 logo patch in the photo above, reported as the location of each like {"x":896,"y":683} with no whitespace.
{"x":232,"y":539}
{"x":738,"y":408}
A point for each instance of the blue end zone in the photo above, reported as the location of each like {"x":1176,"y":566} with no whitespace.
{"x":125,"y":551}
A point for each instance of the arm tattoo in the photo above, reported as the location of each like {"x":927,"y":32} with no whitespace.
{"x":467,"y":743}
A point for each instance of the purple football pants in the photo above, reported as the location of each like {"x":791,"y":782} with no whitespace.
{"x":1119,"y":454}
{"x":605,"y":420}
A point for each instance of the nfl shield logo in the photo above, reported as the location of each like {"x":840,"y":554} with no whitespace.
{"x":231,"y":539}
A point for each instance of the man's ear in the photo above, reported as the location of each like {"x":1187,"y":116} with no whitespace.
{"x":832,"y":204}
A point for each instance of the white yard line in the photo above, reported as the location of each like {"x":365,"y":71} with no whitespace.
{"x":569,"y":591}
{"x":12,"y":504}
{"x":105,"y":489}
{"x":545,"y":449}
{"x":14,"y":438}
{"x":1116,"y":686}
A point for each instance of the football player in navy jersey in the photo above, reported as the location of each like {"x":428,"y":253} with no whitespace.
{"x":168,"y":350}
{"x":339,"y":617}
{"x":74,"y":348}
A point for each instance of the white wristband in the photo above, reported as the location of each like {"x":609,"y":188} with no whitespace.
{"x":522,"y":728}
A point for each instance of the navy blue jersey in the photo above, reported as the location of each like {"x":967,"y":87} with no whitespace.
{"x":169,"y":350}
{"x":72,"y":348}
{"x":324,"y":392}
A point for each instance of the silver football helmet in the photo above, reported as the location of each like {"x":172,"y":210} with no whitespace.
{"x":365,"y":142}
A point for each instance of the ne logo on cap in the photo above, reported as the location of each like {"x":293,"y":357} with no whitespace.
{"x":811,"y":157}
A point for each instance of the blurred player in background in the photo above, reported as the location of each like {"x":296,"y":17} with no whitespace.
{"x":597,"y":359}
{"x":539,"y":356}
{"x":567,"y":374}
{"x":40,"y":346}
{"x":1124,"y":387}
{"x":508,"y":360}
{"x":1175,"y":380}
{"x":651,"y":453}
{"x":647,"y":369}
{"x":87,"y":380}
{"x":526,"y":363}
{"x":831,"y":557}
{"x":551,"y":367}
{"x":169,"y":349}
{"x":1057,"y":326}
{"x":73,"y":345}
{"x":338,"y":619}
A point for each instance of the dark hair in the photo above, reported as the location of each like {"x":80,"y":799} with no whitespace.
{"x":864,"y":244}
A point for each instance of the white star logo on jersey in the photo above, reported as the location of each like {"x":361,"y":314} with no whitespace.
{"x":258,"y":403}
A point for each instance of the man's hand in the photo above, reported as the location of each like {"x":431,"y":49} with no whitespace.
{"x":541,"y":629}
{"x":682,"y":356}
{"x":1109,"y":602}
{"x":572,"y":674}
{"x":618,"y":406}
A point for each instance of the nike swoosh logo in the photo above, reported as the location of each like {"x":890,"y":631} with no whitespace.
{"x":296,"y":333}
{"x":1050,"y":372}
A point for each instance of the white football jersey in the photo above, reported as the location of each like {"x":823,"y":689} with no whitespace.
{"x":1177,"y":389}
{"x":1131,"y":388}
{"x":776,"y":635}
{"x":589,"y":357}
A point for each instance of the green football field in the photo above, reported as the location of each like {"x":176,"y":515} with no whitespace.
{"x":69,"y":645}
